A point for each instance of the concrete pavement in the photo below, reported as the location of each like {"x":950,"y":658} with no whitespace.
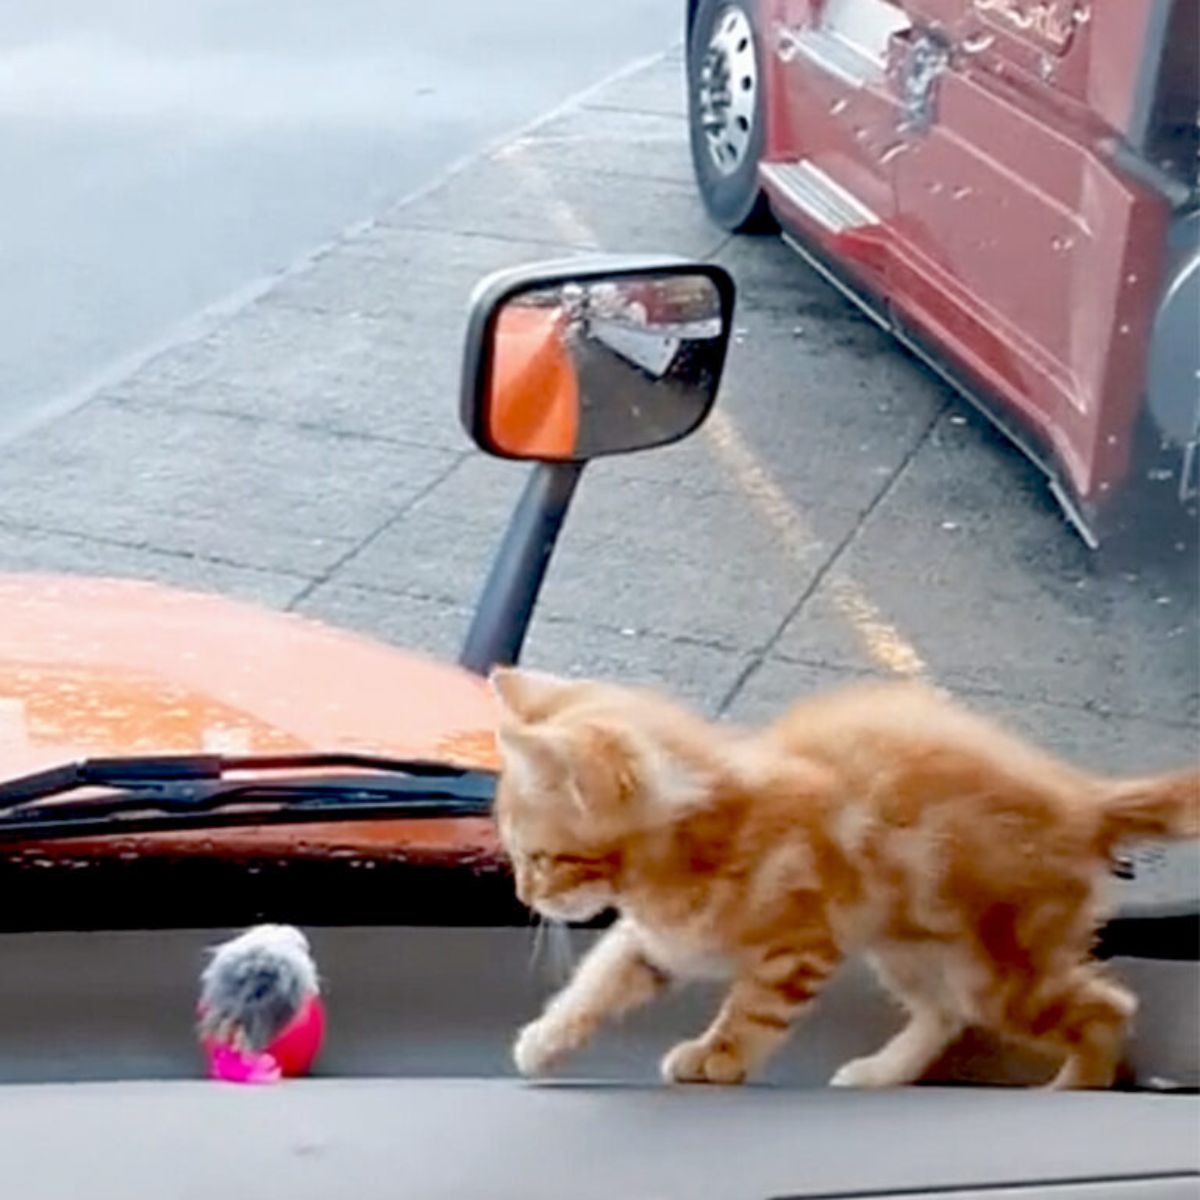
{"x":842,"y":514}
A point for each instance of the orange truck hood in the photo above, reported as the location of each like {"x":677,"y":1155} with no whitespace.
{"x":92,"y":667}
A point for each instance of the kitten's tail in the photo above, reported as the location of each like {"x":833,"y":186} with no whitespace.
{"x":1162,"y":806}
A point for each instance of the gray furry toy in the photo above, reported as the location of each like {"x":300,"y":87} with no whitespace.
{"x":256,"y":987}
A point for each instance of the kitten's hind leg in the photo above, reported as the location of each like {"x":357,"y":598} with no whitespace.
{"x":1086,"y":1017}
{"x":906,"y":1057}
{"x":613,"y":978}
{"x":931,"y":1028}
{"x":756,"y":1016}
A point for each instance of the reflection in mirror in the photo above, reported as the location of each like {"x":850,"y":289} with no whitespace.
{"x":578,"y":370}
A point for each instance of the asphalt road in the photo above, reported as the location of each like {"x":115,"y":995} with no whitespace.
{"x":158,"y":157}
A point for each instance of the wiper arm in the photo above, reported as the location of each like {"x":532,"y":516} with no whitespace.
{"x":152,"y":773}
{"x":146,"y":795}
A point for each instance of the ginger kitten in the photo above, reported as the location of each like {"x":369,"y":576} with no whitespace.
{"x":967,"y":864}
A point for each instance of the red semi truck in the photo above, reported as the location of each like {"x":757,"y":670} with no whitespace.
{"x":1009,"y":186}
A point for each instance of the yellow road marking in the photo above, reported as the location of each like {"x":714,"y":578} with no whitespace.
{"x":886,"y":646}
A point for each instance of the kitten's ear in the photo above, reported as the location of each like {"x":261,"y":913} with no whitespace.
{"x":671,"y":784}
{"x":525,"y":693}
{"x":533,"y":754}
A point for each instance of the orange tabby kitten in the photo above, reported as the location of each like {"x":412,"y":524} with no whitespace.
{"x":885,"y":819}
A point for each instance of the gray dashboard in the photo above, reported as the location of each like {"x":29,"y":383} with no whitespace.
{"x":101,"y":1094}
{"x":500,"y":1139}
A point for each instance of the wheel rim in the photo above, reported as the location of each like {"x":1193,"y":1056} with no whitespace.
{"x":727,"y":90}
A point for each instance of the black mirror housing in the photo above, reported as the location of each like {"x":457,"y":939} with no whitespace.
{"x":580,"y":358}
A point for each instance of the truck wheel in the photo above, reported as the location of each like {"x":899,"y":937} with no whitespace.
{"x":725,"y":113}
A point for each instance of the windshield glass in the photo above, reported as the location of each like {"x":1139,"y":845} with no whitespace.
{"x":956,"y":437}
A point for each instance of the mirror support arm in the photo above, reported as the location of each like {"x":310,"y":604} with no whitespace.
{"x":505,"y":606}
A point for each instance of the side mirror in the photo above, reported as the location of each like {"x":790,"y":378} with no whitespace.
{"x":575,"y":360}
{"x":566,"y":362}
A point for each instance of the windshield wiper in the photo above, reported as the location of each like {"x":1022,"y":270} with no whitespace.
{"x":155,"y":771}
{"x":188,"y":791}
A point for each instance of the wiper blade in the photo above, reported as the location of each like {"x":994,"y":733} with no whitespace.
{"x":146,"y":795}
{"x":222,"y":804}
{"x":153,"y":773}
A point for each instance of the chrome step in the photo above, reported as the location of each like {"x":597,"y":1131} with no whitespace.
{"x":818,"y":195}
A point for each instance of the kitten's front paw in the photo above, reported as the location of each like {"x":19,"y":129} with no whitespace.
{"x":540,"y":1047}
{"x":701,"y":1061}
{"x":867,"y":1072}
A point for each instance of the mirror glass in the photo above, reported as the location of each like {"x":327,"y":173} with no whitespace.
{"x":582,"y":369}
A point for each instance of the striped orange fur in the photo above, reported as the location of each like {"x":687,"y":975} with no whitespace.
{"x":883,"y":819}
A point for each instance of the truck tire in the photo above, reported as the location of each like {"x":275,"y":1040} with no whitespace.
{"x":725,"y":113}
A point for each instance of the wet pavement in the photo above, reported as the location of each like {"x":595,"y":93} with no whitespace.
{"x":157,"y":157}
{"x":842,"y":514}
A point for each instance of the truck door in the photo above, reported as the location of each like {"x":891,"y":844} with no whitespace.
{"x":1018,"y":237}
{"x":835,"y":127}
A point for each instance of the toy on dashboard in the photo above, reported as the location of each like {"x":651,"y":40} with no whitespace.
{"x":260,"y":1015}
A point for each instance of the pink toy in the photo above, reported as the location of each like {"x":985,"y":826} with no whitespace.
{"x":231,"y":1066}
{"x":290,"y":1055}
{"x":298,"y":1045}
{"x":260,"y":1016}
